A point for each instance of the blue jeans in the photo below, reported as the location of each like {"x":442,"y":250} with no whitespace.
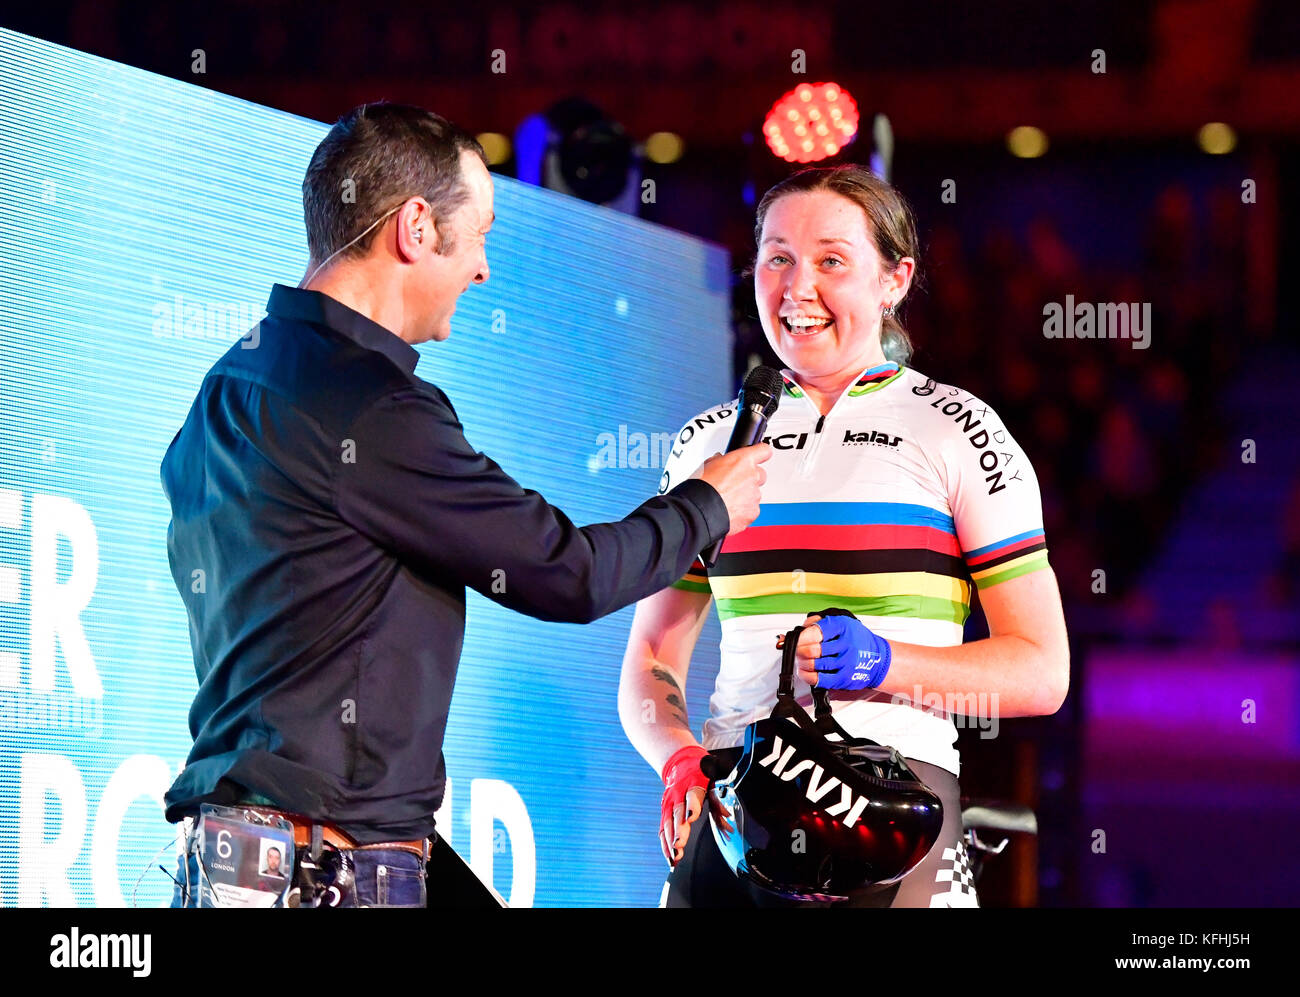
{"x":371,"y":877}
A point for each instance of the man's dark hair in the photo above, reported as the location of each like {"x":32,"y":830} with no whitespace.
{"x":374,"y":158}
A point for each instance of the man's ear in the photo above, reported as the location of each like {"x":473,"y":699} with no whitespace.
{"x":416,"y":231}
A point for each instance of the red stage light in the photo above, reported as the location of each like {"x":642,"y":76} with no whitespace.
{"x":811,"y":122}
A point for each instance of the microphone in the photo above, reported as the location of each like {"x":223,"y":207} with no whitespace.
{"x":759,"y":397}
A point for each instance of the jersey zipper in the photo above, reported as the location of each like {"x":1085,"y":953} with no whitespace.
{"x":805,"y":466}
{"x":810,"y":456}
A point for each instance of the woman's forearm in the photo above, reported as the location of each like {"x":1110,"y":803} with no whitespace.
{"x":1015,"y":676}
{"x":652,"y":707}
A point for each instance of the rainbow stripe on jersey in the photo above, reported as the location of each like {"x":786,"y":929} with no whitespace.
{"x":871,"y":558}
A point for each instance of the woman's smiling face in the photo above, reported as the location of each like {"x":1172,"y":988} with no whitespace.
{"x":820,"y":287}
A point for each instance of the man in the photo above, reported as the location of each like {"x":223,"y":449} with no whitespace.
{"x":328,"y":513}
{"x":273,"y":860}
{"x":271,"y":877}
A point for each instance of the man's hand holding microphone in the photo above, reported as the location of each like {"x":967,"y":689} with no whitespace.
{"x":737,"y":475}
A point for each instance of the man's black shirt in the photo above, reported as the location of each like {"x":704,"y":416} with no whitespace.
{"x":327,"y":515}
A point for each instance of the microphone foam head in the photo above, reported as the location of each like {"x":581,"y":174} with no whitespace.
{"x":762,"y":389}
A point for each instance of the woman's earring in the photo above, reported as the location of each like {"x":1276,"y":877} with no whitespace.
{"x":887,"y":311}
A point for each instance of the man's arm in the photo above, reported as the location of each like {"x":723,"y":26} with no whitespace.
{"x":418,"y":489}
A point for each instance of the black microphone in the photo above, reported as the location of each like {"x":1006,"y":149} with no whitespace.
{"x":759,"y":397}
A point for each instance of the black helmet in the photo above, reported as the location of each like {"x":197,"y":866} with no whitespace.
{"x":816,"y":818}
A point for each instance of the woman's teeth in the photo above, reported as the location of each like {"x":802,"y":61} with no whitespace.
{"x":804,"y":326}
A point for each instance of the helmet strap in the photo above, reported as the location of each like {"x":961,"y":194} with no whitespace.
{"x":788,"y":707}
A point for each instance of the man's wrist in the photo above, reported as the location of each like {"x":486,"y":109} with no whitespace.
{"x":708,"y":500}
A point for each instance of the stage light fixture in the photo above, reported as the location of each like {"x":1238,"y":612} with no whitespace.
{"x":813,"y":121}
{"x":573,"y":147}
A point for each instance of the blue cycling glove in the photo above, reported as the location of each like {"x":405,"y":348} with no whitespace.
{"x":852,"y":656}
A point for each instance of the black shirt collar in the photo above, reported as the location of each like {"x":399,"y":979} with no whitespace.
{"x":315,"y":307}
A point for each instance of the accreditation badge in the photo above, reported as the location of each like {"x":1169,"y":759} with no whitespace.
{"x":245,"y":858}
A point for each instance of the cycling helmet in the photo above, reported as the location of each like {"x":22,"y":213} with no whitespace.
{"x":820,"y":815}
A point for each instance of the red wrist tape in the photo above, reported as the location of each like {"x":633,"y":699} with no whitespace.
{"x":691,"y":753}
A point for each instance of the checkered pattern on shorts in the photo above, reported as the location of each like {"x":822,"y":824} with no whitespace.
{"x":958,"y":881}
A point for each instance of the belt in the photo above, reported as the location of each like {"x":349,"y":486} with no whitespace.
{"x":303,"y":828}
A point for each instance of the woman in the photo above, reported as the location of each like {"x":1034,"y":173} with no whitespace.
{"x":887,"y":495}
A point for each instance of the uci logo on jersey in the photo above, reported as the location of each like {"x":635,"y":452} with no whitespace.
{"x":787,"y":441}
{"x":848,"y":803}
{"x":870,"y":436}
